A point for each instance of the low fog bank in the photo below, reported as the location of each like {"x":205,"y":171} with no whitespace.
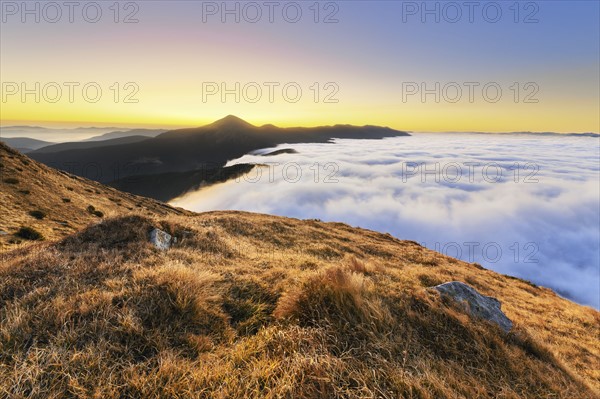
{"x":522,"y":205}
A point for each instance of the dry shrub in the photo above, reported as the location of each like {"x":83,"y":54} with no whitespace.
{"x":336,"y":296}
{"x":361,"y":266}
{"x":180,"y":302}
{"x":358,"y":266}
{"x":208,"y":241}
{"x":112,"y":234}
{"x":428,"y":280}
{"x":250,"y":305}
{"x":422,"y":257}
{"x":29,"y":233}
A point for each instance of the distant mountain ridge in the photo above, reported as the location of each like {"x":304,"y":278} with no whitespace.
{"x":81,"y":145}
{"x":193,"y":149}
{"x":127,"y":133}
{"x":53,"y":134}
{"x":585,"y":134}
{"x":61,"y":135}
{"x":25,"y":144}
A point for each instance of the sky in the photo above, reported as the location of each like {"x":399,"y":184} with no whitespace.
{"x":497,"y":67}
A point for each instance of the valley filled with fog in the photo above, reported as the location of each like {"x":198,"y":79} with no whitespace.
{"x":520,"y":204}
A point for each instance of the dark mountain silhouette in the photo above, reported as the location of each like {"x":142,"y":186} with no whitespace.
{"x":279,"y":152}
{"x":127,"y":133}
{"x":195,"y":149}
{"x":81,"y":145}
{"x":166,"y":186}
{"x":230,"y":122}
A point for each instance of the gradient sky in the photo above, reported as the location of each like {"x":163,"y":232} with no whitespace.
{"x":368,"y":54}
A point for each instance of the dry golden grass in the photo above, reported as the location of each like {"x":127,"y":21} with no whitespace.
{"x":29,"y":189}
{"x":257,"y":306}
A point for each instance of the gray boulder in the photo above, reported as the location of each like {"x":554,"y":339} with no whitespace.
{"x":160,"y":239}
{"x":475,"y":304}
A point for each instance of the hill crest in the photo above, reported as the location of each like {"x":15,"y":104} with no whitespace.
{"x":56,"y":203}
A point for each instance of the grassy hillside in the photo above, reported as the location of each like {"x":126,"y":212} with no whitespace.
{"x":55,"y":204}
{"x":256,"y":306}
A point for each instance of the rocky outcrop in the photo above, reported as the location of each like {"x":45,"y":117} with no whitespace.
{"x":475,"y":304}
{"x":160,"y":239}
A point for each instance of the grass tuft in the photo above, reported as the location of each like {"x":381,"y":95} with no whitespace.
{"x":38,"y":214}
{"x":29,"y":233}
{"x":11,"y":180}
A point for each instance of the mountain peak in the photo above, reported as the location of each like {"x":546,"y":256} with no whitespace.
{"x":231,"y":121}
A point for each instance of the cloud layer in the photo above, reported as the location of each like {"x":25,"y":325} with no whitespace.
{"x":518,"y":204}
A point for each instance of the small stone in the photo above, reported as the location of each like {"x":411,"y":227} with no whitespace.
{"x":160,"y":239}
{"x":475,"y":304}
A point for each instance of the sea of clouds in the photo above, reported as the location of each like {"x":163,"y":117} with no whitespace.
{"x":523,"y":205}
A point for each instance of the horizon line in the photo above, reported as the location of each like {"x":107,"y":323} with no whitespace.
{"x":67,"y":125}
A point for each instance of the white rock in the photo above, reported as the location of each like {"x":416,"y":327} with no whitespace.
{"x":160,"y":239}
{"x":475,"y":304}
